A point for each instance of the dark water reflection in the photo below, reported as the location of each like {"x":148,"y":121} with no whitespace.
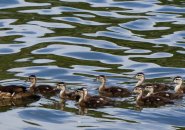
{"x":75,"y":40}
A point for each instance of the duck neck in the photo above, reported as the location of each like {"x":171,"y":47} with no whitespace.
{"x":62,"y":93}
{"x":81,"y":99}
{"x":85,"y":95}
{"x":139,"y":96}
{"x":102,"y":86}
{"x":150,"y":92}
{"x":178,"y":87}
{"x":33,"y":84}
{"x":140,"y":81}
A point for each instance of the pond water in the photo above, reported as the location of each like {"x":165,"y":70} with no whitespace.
{"x":76,"y":40}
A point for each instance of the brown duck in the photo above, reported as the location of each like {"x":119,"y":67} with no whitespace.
{"x":150,"y":101}
{"x":43,"y":89}
{"x":168,"y":95}
{"x":111,"y":91}
{"x":180,"y":88}
{"x":64,"y":94}
{"x":86,"y":100}
{"x":157,"y":86}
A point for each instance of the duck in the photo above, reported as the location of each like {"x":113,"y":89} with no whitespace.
{"x":157,"y":86}
{"x":150,"y":101}
{"x":169,"y":95}
{"x":64,"y":94}
{"x":42,"y":89}
{"x":111,"y":91}
{"x":88,"y":101}
{"x":180,"y":88}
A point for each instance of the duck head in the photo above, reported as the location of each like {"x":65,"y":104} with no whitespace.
{"x":138,"y":90}
{"x":140,"y":77}
{"x":150,"y":90}
{"x":101,"y":78}
{"x":61,"y":86}
{"x":178,"y":80}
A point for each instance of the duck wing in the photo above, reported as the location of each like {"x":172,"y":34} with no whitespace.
{"x":156,"y":101}
{"x":13,"y":88}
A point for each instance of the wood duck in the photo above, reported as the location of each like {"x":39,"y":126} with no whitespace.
{"x":180,"y":88}
{"x":64,"y":94}
{"x":168,"y":95}
{"x":86,"y":100}
{"x":157,"y":86}
{"x":43,"y":89}
{"x":111,"y":91}
{"x":150,"y":101}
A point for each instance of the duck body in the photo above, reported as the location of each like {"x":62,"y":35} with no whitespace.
{"x":25,"y":95}
{"x":169,"y":95}
{"x":151,"y":100}
{"x":68,"y":96}
{"x":89,"y":101}
{"x":114,"y":92}
{"x":157,"y":86}
{"x":94,"y":102}
{"x":45,"y":89}
{"x":12,"y":88}
{"x":111,"y":91}
{"x":18,"y":96}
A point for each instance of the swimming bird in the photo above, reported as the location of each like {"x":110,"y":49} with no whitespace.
{"x":150,"y":101}
{"x":43,"y":89}
{"x":168,"y":95}
{"x":157,"y":86}
{"x":86,"y":100}
{"x":113,"y":91}
{"x":180,"y":88}
{"x":64,"y":94}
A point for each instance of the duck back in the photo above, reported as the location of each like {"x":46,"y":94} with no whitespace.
{"x":154,"y":101}
{"x":12,"y":88}
{"x":115,"y":92}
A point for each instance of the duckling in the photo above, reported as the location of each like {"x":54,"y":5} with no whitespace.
{"x":91,"y":101}
{"x":87,"y":95}
{"x":157,"y":86}
{"x":150,"y":101}
{"x":111,"y":91}
{"x":168,"y":95}
{"x":180,"y":88}
{"x":43,"y":89}
{"x":65,"y":95}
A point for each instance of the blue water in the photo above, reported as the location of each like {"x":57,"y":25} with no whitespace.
{"x":76,"y":40}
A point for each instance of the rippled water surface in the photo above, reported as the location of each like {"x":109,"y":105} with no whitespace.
{"x":74,"y":41}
